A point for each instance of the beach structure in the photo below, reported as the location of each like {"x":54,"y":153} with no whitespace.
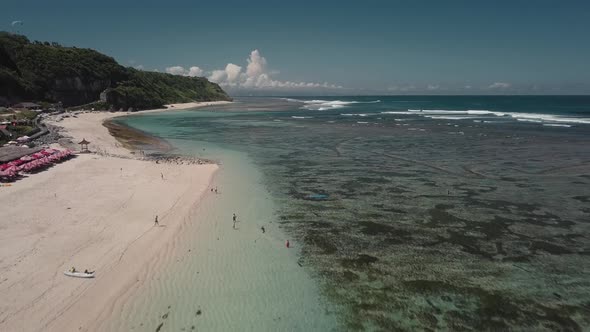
{"x":10,"y":153}
{"x":27,"y":105}
{"x":84,"y":145}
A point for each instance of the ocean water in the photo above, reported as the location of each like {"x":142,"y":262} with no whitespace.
{"x":421,"y":212}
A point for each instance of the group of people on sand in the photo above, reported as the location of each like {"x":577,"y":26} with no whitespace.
{"x":235,"y":220}
{"x":180,"y":161}
{"x":73,"y":270}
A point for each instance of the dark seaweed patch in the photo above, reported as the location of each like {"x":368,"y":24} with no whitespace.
{"x":360,"y":261}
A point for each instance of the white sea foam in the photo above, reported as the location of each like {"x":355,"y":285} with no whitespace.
{"x":556,"y":125}
{"x":302,"y":117}
{"x":292,"y":100}
{"x":352,"y":114}
{"x":447,"y":117}
{"x":361,"y":122}
{"x":536,"y":117}
{"x":529,"y":120}
{"x":397,"y":112}
{"x":325,"y":105}
{"x":485,"y":114}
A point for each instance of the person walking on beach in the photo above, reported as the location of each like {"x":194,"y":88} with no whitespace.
{"x":156,"y":221}
{"x":162,"y":174}
{"x":235,"y":219}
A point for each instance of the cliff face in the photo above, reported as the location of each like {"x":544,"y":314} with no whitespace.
{"x":50,"y":72}
{"x":76,"y":90}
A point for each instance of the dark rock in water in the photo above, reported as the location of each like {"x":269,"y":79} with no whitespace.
{"x":199,"y":312}
{"x":159,"y":327}
{"x":165,"y":315}
{"x":350,"y":276}
{"x":322,"y":243}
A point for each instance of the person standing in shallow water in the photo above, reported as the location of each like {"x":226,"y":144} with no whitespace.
{"x":156,"y":221}
{"x":235,"y":219}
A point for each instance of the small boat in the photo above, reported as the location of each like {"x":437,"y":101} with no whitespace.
{"x":316,"y":197}
{"x":78,"y":274}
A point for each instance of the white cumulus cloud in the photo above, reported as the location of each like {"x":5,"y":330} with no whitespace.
{"x":175,"y":70}
{"x":195,"y":71}
{"x":232,"y":73}
{"x":258,"y":76}
{"x":255,"y":76}
{"x":179,"y":70}
{"x":256,"y":64}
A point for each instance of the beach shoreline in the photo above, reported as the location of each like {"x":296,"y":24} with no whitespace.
{"x":96,"y":211}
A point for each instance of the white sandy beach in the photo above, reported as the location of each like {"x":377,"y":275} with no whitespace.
{"x":93,"y":212}
{"x":88,"y":126}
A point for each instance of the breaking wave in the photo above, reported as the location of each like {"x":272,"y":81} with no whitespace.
{"x":325,"y":105}
{"x":479,"y":114}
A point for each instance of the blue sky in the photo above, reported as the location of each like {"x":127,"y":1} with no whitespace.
{"x":333,"y":47}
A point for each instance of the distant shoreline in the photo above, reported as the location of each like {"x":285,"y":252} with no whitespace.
{"x":134,"y":139}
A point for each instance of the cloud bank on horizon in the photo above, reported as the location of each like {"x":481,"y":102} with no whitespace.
{"x":256,"y":76}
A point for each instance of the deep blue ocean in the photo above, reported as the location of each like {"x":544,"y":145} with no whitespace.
{"x":422,"y":212}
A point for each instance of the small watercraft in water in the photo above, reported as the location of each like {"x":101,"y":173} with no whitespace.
{"x":78,"y":274}
{"x":316,"y":197}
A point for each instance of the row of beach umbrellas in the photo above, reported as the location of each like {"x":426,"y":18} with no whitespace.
{"x":33,"y":162}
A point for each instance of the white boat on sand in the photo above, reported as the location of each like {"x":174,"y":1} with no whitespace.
{"x":78,"y":274}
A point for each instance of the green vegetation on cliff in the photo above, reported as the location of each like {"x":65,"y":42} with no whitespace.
{"x":146,"y":89}
{"x":75,"y":76}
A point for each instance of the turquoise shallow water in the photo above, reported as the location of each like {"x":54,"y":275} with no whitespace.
{"x":435,"y":212}
{"x":216,"y":278}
